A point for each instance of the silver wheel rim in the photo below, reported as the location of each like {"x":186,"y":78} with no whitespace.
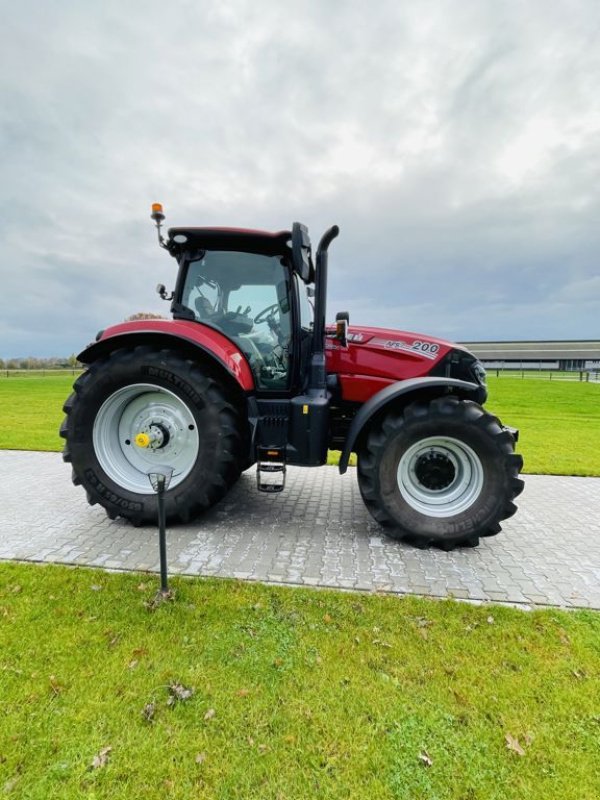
{"x":440,"y":476}
{"x":143,"y":408}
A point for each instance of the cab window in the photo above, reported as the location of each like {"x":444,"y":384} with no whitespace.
{"x":246,"y":297}
{"x":306,"y":302}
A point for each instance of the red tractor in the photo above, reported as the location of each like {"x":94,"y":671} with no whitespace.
{"x":247,"y":373}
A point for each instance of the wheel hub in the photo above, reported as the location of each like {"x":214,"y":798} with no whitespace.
{"x":155,"y":437}
{"x":435,"y":470}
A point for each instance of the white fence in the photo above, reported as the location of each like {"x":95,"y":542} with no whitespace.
{"x":579,"y":376}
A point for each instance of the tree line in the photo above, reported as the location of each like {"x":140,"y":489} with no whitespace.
{"x":32,"y":362}
{"x":62,"y":362}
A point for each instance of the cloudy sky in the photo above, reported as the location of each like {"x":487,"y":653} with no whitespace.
{"x":455,"y":142}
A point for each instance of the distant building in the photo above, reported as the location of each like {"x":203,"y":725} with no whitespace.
{"x":562,"y":355}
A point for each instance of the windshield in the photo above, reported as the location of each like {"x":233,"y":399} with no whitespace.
{"x":246,"y":296}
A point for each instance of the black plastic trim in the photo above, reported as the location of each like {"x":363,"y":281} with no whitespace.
{"x":235,"y":239}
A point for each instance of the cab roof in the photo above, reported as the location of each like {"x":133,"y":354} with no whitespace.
{"x":240,"y":239}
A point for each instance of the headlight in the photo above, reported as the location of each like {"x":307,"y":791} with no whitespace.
{"x":479,"y":372}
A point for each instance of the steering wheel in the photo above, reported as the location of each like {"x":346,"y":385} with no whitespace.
{"x":265,"y":313}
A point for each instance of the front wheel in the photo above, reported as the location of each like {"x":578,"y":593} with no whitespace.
{"x":442,"y":472}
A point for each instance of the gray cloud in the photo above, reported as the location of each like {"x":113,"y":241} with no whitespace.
{"x":457,"y":145}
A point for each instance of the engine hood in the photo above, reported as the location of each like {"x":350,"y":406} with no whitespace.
{"x":376,"y":357}
{"x":420,"y":344}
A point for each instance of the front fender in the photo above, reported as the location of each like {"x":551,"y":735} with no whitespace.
{"x":176,"y":334}
{"x":393,"y":392}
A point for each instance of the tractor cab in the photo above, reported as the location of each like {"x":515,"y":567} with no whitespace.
{"x":255,"y":287}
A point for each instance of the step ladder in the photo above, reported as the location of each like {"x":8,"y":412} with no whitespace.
{"x":271,"y":463}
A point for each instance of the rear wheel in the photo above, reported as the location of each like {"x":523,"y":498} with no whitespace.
{"x":142,"y":408}
{"x":441,"y":473}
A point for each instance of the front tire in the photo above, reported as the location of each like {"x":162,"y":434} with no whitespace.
{"x":141,"y":408}
{"x":440,"y":473}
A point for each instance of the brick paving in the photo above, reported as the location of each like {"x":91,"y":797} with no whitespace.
{"x":316,"y":533}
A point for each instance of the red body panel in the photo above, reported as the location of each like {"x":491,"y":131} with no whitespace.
{"x":203,"y":336}
{"x":376,"y":357}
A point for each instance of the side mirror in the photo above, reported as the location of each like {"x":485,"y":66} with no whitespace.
{"x":301,"y":256}
{"x":161,"y":290}
{"x":342,"y":320}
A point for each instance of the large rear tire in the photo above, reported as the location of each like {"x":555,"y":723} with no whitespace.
{"x":178,"y":411}
{"x":440,"y":473}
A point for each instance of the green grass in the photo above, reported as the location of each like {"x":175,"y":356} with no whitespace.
{"x":296,"y":693}
{"x":31,"y":411}
{"x":559,"y":421}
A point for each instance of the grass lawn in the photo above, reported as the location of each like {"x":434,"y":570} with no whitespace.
{"x":296,"y":693}
{"x":31,"y":411}
{"x":559,"y":421}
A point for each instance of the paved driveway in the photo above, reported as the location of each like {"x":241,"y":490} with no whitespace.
{"x":316,"y":533}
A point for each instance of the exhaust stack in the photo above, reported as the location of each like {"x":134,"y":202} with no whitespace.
{"x":317,"y":383}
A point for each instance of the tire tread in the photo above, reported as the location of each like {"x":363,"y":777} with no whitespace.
{"x":226,"y":468}
{"x":469,"y":413}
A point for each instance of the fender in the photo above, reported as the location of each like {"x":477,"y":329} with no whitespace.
{"x":391,"y":393}
{"x":165,"y":333}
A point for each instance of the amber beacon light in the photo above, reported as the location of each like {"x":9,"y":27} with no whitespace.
{"x":158,"y":216}
{"x":157,"y":212}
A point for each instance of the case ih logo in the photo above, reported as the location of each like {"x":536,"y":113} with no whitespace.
{"x":425,"y":349}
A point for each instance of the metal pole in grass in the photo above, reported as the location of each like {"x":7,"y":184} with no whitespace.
{"x":160,"y":478}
